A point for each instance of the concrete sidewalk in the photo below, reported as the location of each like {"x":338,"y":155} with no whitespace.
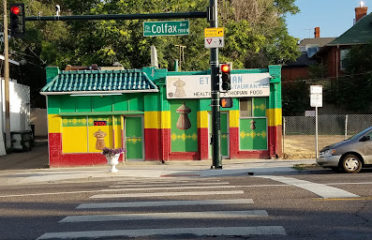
{"x":181,"y":169}
{"x":31,"y":167}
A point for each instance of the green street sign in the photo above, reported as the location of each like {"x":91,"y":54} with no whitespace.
{"x":173,"y":28}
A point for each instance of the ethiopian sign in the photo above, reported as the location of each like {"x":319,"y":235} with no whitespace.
{"x":199,"y":86}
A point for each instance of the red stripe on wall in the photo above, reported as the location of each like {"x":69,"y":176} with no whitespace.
{"x":203,"y":143}
{"x":275,"y":141}
{"x":82,"y":159}
{"x":58,"y":159}
{"x":234,"y":143}
{"x":153,"y":150}
{"x":55,"y":148}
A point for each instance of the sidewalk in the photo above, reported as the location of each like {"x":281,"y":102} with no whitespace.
{"x":31,"y":167}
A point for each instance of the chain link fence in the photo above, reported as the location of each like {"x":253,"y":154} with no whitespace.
{"x":299,"y":132}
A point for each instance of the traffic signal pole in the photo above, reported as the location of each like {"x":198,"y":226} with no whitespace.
{"x":6,"y":78}
{"x":215,"y":89}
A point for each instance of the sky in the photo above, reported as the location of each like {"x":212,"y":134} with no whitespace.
{"x":334,"y":17}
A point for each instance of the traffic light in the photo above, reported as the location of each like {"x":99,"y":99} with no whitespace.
{"x":226,"y":102}
{"x":225,"y":77}
{"x":17,"y":19}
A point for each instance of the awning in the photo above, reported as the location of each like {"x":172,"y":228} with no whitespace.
{"x":95,"y":82}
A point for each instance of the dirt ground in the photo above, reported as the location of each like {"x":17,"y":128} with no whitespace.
{"x":303,"y":146}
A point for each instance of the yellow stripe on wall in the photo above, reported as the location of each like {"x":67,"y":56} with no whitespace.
{"x":234,"y":118}
{"x":152,"y":119}
{"x":54,"y":123}
{"x":166,"y":119}
{"x":157,"y":119}
{"x":274,"y":116}
{"x":202,"y":119}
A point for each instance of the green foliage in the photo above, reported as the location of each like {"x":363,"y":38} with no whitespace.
{"x":295,"y":98}
{"x":255,"y":35}
{"x":353,"y":91}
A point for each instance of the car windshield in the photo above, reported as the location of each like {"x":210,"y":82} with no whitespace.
{"x":360,"y":134}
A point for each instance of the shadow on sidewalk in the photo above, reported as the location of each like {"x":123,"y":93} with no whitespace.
{"x":36,"y":158}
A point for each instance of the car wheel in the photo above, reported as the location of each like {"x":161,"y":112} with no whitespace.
{"x":351,"y":163}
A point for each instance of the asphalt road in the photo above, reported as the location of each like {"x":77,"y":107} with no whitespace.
{"x":316,"y":204}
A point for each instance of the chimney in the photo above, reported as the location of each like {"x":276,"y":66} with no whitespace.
{"x":360,"y":11}
{"x":317,"y":32}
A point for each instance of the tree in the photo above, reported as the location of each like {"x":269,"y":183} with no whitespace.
{"x":255,"y":35}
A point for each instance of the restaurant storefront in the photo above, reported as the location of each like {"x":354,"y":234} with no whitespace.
{"x":158,"y":115}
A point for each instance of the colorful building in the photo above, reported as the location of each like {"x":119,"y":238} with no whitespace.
{"x":158,"y":115}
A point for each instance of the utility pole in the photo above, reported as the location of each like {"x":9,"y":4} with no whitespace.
{"x":215,"y":89}
{"x":6,"y":77}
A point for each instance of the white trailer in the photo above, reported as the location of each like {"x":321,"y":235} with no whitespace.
{"x":20,"y":127}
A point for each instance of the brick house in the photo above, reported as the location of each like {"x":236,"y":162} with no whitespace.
{"x":333,"y":54}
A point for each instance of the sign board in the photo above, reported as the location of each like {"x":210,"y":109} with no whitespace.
{"x":214,"y":42}
{"x":213,"y":32}
{"x":173,"y":28}
{"x":199,"y":86}
{"x":213,"y":38}
{"x":309,"y":113}
{"x":316,"y":96}
{"x":100,"y":123}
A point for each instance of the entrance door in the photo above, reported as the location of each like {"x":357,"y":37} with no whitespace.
{"x":134,"y":138}
{"x":224,"y":134}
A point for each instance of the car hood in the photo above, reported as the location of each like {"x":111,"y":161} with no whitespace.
{"x":336,"y":145}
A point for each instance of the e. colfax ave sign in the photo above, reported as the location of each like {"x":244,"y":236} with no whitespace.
{"x":172,"y":28}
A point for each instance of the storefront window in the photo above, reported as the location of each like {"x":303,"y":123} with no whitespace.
{"x":253,"y":124}
{"x":246,"y":107}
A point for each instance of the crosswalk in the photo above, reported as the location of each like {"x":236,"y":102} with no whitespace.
{"x":165,"y":207}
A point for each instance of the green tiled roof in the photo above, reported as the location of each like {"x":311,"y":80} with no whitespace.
{"x":99,"y":82}
{"x":360,"y":33}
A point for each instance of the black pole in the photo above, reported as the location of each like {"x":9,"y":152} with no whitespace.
{"x":120,"y":16}
{"x":215,"y":101}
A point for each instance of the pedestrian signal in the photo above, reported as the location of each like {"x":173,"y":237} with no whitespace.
{"x":226,"y":102}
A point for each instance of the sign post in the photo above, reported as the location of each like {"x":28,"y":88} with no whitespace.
{"x":215,"y":91}
{"x":316,"y":100}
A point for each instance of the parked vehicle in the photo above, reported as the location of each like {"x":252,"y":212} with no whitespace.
{"x":350,"y":155}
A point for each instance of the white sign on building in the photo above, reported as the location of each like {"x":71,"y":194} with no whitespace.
{"x":199,"y":86}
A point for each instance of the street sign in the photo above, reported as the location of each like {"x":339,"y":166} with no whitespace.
{"x":316,"y":96}
{"x":173,"y":28}
{"x":214,"y":42}
{"x":213,"y":38}
{"x":213,"y":32}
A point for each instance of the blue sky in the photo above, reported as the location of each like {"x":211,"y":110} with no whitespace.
{"x":333,"y":17}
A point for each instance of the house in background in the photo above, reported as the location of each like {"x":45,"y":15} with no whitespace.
{"x":330,"y":52}
{"x":308,"y":47}
{"x":333,"y":54}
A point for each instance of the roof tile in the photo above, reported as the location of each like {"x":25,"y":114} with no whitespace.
{"x":92,"y":80}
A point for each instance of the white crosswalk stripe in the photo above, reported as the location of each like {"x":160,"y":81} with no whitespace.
{"x":165,"y":184}
{"x":163,"y":203}
{"x":166,"y":203}
{"x":170,"y":216}
{"x":216,"y":231}
{"x":165,"y":194}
